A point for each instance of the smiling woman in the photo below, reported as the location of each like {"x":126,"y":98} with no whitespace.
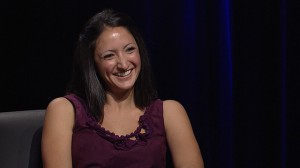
{"x":111,"y":116}
{"x":117,"y":59}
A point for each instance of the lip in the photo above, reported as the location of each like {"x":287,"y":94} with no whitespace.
{"x":124,"y":73}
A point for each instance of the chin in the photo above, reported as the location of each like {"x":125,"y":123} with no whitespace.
{"x":125,"y":88}
{"x":122,"y":87}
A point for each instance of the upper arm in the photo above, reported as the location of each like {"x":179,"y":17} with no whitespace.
{"x":181,"y":139}
{"x":57,"y":134}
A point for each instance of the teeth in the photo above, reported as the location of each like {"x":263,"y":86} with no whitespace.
{"x":122,"y":74}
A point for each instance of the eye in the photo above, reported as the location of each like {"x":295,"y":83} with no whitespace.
{"x":108,"y":56}
{"x":130,"y":49}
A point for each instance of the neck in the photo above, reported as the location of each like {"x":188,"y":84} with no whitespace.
{"x":122,"y":100}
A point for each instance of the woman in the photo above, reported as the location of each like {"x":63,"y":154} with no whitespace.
{"x":111,"y":116}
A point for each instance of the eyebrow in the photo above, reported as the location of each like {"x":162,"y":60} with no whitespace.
{"x":129,"y":44}
{"x":101,"y":53}
{"x":112,"y":50}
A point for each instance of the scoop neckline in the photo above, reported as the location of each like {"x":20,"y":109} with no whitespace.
{"x":129,"y":135}
{"x":143,"y":124}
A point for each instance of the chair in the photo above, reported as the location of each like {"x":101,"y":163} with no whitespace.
{"x":20,"y":141}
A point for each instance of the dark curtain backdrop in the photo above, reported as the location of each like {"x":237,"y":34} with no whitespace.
{"x":233,"y":64}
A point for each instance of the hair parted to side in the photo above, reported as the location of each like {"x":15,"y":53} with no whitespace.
{"x":85,"y":81}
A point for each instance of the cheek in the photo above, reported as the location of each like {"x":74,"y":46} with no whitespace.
{"x":137,"y":60}
{"x":101,"y":69}
{"x":101,"y":72}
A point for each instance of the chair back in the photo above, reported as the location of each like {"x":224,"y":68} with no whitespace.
{"x":20,"y":138}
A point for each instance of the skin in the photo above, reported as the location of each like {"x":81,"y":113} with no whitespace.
{"x":181,"y":139}
{"x":118,"y":63}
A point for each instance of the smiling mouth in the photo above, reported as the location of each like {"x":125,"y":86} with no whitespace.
{"x":123,"y":74}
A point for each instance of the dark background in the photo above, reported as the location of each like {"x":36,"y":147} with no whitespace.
{"x":234,"y":65}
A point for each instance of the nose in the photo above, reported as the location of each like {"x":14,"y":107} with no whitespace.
{"x":122,"y":61}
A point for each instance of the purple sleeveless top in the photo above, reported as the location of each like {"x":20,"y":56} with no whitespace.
{"x":93,"y":146}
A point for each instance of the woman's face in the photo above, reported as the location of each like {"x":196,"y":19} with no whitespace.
{"x":117,"y":59}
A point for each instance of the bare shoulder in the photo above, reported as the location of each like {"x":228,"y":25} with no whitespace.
{"x":180,"y":136}
{"x":60,"y":103}
{"x":175,"y":116}
{"x":173,"y":108}
{"x":59,"y":109}
{"x":57,"y":133}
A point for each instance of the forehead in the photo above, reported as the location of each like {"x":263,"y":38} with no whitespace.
{"x":115,"y":35}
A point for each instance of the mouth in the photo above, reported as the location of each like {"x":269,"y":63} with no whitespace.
{"x":123,"y":74}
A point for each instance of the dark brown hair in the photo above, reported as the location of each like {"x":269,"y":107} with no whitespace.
{"x":87,"y":84}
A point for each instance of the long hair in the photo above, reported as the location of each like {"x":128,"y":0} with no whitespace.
{"x":85,"y":81}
